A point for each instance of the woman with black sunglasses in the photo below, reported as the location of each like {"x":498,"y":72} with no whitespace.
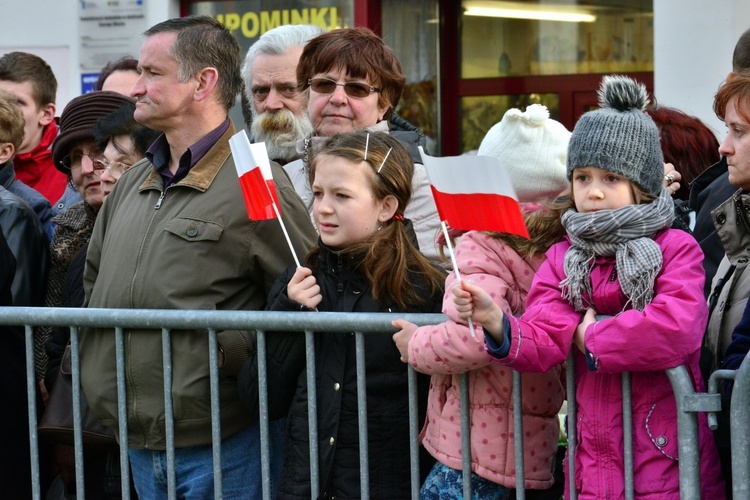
{"x":353,"y":81}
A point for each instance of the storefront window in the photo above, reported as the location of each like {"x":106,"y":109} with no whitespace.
{"x":479,"y":114}
{"x":500,"y":39}
{"x":552,"y":52}
{"x":411,"y":30}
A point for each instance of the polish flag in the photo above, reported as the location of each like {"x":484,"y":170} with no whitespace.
{"x":256,"y":180}
{"x":474,"y":193}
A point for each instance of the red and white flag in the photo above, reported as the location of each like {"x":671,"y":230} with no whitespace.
{"x":256,"y":180}
{"x":474,"y":193}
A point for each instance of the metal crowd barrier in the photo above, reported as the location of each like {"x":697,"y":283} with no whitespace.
{"x":688,"y":402}
{"x":211,"y":321}
{"x":738,"y":424}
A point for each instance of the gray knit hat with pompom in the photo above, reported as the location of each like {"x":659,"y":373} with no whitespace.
{"x":619,"y":136}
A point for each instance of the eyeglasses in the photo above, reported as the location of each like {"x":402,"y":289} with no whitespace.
{"x":352,"y":89}
{"x":117,"y":168}
{"x":74,"y":162}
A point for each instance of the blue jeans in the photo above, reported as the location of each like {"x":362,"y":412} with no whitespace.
{"x":445,"y":483}
{"x":194,"y":473}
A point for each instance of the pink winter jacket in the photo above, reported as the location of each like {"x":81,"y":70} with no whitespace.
{"x":448,"y":349}
{"x":666,"y":334}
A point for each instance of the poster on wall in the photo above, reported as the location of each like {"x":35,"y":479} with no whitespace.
{"x":109,"y":30}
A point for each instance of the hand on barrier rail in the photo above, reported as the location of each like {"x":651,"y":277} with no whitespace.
{"x":579,"y":338}
{"x":402,"y":337}
{"x":304,"y":289}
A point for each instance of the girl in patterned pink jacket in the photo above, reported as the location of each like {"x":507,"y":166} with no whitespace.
{"x":622,"y":261}
{"x":533,"y":148}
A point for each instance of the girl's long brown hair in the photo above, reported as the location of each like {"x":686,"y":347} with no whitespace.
{"x":544,"y":226}
{"x":545,"y":229}
{"x":389,"y":261}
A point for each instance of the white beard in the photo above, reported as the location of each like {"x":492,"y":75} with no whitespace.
{"x":280,"y":130}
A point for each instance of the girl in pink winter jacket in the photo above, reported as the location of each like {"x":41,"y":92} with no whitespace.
{"x":532,"y":148}
{"x":622,"y":262}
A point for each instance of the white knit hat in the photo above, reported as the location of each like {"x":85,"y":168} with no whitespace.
{"x":533,"y":149}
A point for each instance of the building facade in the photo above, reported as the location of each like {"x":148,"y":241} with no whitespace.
{"x":466,"y":61}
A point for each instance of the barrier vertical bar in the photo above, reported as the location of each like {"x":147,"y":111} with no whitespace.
{"x":31,"y":385}
{"x":312,"y":413}
{"x":364,"y":457}
{"x":75,"y":369}
{"x":740,"y":432}
{"x":265,"y":446}
{"x":687,"y":428}
{"x":122,"y":413}
{"x":166,"y":357}
{"x":713,"y":388}
{"x":463,"y":394}
{"x":413,"y":431}
{"x":213,"y":367}
{"x":518,"y":436}
{"x":627,"y":431}
{"x":572,"y":421}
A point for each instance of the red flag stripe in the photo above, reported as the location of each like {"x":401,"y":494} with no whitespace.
{"x":257,"y":196}
{"x":480,"y":212}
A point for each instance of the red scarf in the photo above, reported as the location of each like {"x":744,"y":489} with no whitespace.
{"x":37,"y":170}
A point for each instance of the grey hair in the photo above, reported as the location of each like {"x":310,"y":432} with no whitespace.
{"x":276,"y":42}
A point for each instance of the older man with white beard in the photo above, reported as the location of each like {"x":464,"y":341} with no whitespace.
{"x":280,"y":129}
{"x":277,"y":108}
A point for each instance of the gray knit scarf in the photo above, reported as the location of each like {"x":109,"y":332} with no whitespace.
{"x":627,"y":233}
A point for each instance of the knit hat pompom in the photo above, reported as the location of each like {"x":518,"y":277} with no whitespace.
{"x":622,"y":94}
{"x":535,"y":115}
{"x":532,"y":148}
{"x":619,"y":136}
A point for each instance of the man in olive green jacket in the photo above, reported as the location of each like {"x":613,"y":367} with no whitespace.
{"x":174,"y":234}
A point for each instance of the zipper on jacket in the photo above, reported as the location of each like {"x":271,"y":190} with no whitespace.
{"x":139,"y":256}
{"x":340,"y":269}
{"x":738,"y":206}
{"x":613,"y":276}
{"x":161,"y":198}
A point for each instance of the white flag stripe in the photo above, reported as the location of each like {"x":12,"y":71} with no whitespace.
{"x":261,"y":157}
{"x":244,"y":160}
{"x":248,"y":156}
{"x":468,"y":174}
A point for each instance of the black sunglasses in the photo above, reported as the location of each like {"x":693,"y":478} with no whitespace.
{"x":352,"y":89}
